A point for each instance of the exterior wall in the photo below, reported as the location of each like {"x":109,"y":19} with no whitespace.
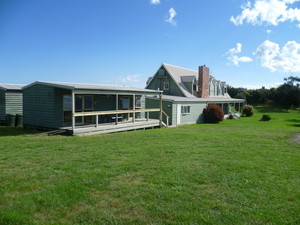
{"x":158,"y":81}
{"x":2,"y":106}
{"x":11,"y":102}
{"x":43,"y":106}
{"x":168,"y":108}
{"x":14,"y":102}
{"x":195,"y":115}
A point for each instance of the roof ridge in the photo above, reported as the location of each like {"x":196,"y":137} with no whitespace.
{"x":179,"y":67}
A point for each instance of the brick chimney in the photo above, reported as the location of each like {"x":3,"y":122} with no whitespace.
{"x":203,"y":82}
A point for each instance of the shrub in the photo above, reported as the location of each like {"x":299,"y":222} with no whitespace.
{"x":247,"y":110}
{"x":213,"y":114}
{"x":265,"y":118}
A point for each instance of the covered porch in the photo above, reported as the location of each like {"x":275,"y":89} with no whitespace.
{"x":106,"y":111}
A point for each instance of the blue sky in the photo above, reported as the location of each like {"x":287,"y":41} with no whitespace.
{"x":122,"y":42}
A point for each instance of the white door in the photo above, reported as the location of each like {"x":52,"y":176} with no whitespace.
{"x":178,"y":114}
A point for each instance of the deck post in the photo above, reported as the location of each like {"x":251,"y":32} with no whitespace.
{"x":160,"y":109}
{"x":117,"y":108}
{"x":96,"y":120}
{"x":147,"y":116}
{"x":133,"y":105}
{"x":73,"y":111}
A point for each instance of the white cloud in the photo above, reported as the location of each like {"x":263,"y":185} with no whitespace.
{"x":233,"y":58}
{"x":269,"y":31}
{"x":154,"y":2}
{"x":172,"y":14}
{"x":131,"y":79}
{"x":286,"y":59}
{"x":270,"y":12}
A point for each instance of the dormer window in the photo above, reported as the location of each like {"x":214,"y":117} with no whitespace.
{"x":194,"y":87}
{"x":166,"y":85}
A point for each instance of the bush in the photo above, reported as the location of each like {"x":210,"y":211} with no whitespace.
{"x":213,"y":114}
{"x":247,"y":110}
{"x":265,"y":118}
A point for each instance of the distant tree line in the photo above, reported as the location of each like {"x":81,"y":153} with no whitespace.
{"x":286,"y":95}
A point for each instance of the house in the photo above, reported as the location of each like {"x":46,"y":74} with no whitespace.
{"x":187,"y":92}
{"x":10,"y":100}
{"x":88,"y":108}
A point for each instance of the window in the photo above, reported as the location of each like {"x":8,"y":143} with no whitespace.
{"x":125,"y":102}
{"x":67,"y":103}
{"x":138,"y":102}
{"x":185,"y":109}
{"x":166,"y":85}
{"x":88,"y":102}
{"x":194,"y":87}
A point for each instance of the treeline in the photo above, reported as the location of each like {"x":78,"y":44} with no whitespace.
{"x":286,"y":95}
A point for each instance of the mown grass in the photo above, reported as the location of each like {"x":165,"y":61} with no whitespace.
{"x":237,"y":172}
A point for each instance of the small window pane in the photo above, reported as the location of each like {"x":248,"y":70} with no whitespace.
{"x":138,"y":103}
{"x":88,"y":102}
{"x":125,"y":103}
{"x":78,"y":103}
{"x":67,"y":103}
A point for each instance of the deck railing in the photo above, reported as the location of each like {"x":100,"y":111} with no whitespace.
{"x":115,"y":112}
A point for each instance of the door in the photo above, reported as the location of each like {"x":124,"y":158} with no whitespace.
{"x":178,"y":120}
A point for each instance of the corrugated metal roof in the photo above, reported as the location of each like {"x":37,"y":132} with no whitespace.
{"x":81,"y":86}
{"x":12,"y":86}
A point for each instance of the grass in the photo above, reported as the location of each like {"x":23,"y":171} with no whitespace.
{"x":237,"y":172}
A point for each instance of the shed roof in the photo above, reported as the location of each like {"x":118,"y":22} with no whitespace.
{"x":83,"y":86}
{"x":12,"y":86}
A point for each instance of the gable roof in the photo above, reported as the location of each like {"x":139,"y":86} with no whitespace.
{"x":16,"y":87}
{"x":72,"y":86}
{"x":176,"y":73}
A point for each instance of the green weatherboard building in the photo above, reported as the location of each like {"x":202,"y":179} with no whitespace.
{"x":11,"y":100}
{"x":87,"y":108}
{"x":187,"y":92}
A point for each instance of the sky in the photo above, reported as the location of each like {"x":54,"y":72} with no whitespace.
{"x":249,"y":44}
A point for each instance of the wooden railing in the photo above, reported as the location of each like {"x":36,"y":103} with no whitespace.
{"x":167,"y":118}
{"x":117,"y":113}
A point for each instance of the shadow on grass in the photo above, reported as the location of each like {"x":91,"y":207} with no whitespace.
{"x":295,"y":122}
{"x":14,"y":131}
{"x":271,"y":109}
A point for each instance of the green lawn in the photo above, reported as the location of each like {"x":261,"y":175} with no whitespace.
{"x":237,"y":172}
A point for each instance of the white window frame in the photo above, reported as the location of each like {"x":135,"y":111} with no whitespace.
{"x":185,"y":109}
{"x":138,"y":106}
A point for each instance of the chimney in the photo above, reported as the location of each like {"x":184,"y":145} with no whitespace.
{"x":203,"y":82}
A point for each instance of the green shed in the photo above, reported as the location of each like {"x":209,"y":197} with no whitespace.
{"x":87,"y":108}
{"x":11,"y":100}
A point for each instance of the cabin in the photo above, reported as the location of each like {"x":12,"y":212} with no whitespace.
{"x":186,"y":93}
{"x":11,"y":100}
{"x":82,"y":109}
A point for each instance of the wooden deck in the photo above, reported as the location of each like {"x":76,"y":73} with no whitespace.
{"x":112,"y":127}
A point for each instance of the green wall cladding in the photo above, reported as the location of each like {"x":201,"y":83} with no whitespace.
{"x":14,"y":102}
{"x":2,"y":105}
{"x":195,"y":115}
{"x":158,"y":81}
{"x":11,"y":102}
{"x":43,"y":106}
{"x":167,"y":108}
